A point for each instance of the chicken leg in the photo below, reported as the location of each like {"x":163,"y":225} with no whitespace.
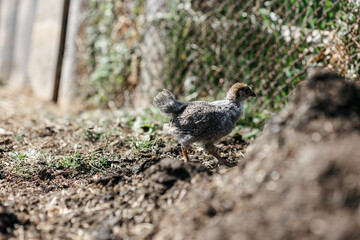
{"x":212,"y":150}
{"x":185,"y":158}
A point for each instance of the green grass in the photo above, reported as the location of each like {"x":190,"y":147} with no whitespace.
{"x":19,"y":166}
{"x":18,"y":163}
{"x":141,"y":144}
{"x":252,"y":117}
{"x":20,"y":137}
{"x":71,"y":161}
{"x":91,"y":135}
{"x":98,"y":162}
{"x":27,"y":163}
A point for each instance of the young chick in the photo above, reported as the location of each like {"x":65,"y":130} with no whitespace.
{"x":203,"y":122}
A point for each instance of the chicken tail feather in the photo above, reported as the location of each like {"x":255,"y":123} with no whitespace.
{"x":166,"y":102}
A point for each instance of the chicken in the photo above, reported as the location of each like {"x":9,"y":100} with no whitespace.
{"x":203,"y":122}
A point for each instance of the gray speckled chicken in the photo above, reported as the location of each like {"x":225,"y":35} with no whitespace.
{"x":203,"y":122}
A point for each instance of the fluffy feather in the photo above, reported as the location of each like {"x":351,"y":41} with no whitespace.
{"x":167,"y":103}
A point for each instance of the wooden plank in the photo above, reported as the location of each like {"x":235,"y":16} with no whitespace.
{"x":7,"y":34}
{"x":67,"y":90}
{"x":24,"y":22}
{"x":44,"y":48}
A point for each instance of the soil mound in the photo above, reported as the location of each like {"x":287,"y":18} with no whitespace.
{"x":301,"y":179}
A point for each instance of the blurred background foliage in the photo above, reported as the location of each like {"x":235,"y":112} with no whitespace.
{"x":209,"y":44}
{"x":111,"y":41}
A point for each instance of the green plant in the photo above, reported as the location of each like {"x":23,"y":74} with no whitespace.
{"x":112,"y":54}
{"x":19,"y":164}
{"x":251,"y":118}
{"x":144,"y":130}
{"x":98,"y":162}
{"x":91,"y":135}
{"x":71,"y":161}
{"x":20,"y":137}
{"x":141,"y":144}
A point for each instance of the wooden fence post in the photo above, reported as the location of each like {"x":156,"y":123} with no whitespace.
{"x":7,"y":34}
{"x":24,"y":23}
{"x":68,"y":84}
{"x":44,"y":48}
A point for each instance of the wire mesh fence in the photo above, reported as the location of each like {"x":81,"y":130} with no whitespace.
{"x":211,"y":44}
{"x":199,"y":48}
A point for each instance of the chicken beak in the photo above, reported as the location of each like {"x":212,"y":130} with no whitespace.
{"x":252,"y":94}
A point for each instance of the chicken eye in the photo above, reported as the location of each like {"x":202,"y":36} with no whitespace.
{"x":238,"y":93}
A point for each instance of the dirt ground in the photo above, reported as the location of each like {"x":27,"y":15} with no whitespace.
{"x":301,"y":179}
{"x":106,"y":175}
{"x":92,"y":174}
